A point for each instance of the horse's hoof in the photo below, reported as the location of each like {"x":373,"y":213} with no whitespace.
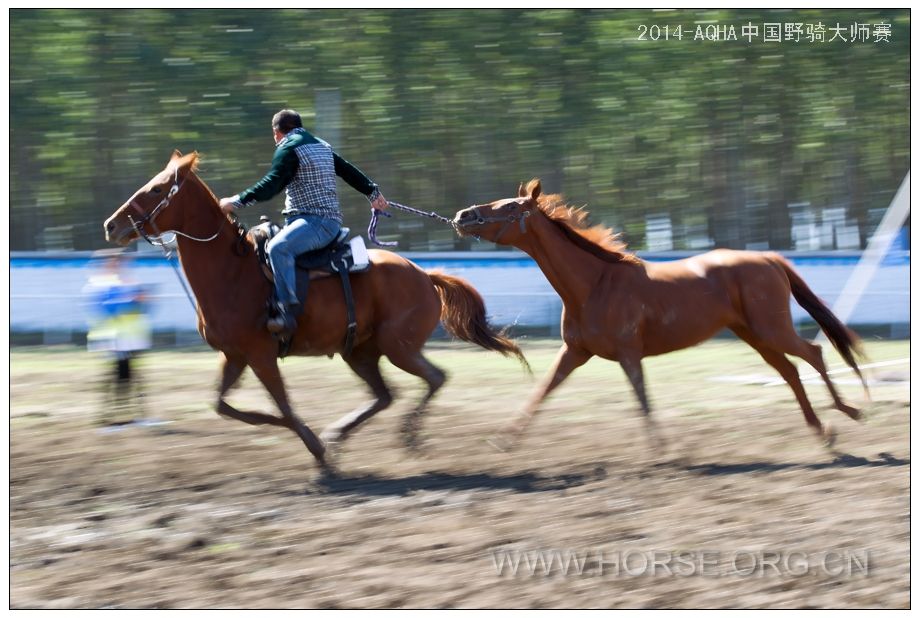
{"x":854,"y":413}
{"x":412,"y":443}
{"x":331,"y":437}
{"x":409,"y":432}
{"x":327,"y":470}
{"x":828,"y":435}
{"x":502,"y":443}
{"x":326,"y":460}
{"x":333,"y":449}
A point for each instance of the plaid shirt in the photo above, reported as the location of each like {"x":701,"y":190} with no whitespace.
{"x":306,"y":167}
{"x":312,"y":190}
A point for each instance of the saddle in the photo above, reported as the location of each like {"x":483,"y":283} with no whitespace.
{"x":340,"y":256}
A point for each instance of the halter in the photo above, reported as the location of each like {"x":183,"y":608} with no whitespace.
{"x":520,"y":217}
{"x":149,"y":217}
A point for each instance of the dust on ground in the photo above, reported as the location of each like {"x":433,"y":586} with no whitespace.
{"x":202,"y":512}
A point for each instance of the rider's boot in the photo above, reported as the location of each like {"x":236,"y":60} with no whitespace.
{"x":284,"y":323}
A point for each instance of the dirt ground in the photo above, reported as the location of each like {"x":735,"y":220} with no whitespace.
{"x":202,"y":512}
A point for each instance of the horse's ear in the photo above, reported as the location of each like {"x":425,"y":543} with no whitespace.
{"x":175,"y":155}
{"x":189,"y":162}
{"x":521,"y":191}
{"x":533,"y":189}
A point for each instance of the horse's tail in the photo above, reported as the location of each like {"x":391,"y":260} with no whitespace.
{"x":463,"y":314}
{"x":845,"y":341}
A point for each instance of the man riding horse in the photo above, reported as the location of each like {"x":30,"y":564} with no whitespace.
{"x":306,"y":167}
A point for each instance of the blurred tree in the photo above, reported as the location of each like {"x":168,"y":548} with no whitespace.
{"x":445,"y":108}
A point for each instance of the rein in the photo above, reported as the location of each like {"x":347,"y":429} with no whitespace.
{"x":157,"y":239}
{"x":375,"y":216}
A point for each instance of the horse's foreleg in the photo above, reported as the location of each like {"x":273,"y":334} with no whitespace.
{"x":632,"y":366}
{"x":268,"y":373}
{"x":231,"y":371}
{"x":567,"y":360}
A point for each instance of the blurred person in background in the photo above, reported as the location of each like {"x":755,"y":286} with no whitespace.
{"x":306,"y":167}
{"x":119,"y":327}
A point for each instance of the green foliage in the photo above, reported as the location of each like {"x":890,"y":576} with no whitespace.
{"x":446,"y":108}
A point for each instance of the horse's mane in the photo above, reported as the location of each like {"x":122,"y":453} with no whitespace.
{"x":598,"y":240}
{"x":192,"y":159}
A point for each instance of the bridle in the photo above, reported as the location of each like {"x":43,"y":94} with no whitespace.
{"x":515,"y":217}
{"x":152,"y":215}
{"x":157,"y":240}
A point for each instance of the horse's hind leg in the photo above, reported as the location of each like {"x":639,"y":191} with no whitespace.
{"x":790,"y":374}
{"x":365,"y":362}
{"x":774,"y":329}
{"x":413,"y":362}
{"x":268,"y":373}
{"x":811,"y":354}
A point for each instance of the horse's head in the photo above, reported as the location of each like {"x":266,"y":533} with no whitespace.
{"x":155,"y":206}
{"x":502,"y":221}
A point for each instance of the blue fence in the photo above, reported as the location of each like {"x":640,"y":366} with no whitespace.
{"x":46,"y":289}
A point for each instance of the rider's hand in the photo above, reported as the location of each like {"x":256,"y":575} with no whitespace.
{"x":228,"y":205}
{"x":380,"y":203}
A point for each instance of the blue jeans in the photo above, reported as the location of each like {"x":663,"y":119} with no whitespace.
{"x":301,"y":234}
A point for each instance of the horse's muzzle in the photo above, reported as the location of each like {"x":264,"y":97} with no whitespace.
{"x":115,"y":233}
{"x":466,"y":218}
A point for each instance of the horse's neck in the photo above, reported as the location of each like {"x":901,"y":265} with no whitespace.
{"x":571,"y":271}
{"x":214,"y":269}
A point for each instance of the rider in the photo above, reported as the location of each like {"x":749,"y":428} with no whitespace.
{"x":306,"y":167}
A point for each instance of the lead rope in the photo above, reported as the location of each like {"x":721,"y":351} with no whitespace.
{"x":375,"y":216}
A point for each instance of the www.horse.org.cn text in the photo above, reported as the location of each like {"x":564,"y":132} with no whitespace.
{"x":779,"y":32}
{"x":634,"y":562}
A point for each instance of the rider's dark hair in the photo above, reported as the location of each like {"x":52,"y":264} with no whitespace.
{"x":286,"y":120}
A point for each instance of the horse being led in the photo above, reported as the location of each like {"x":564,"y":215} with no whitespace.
{"x":398,"y":305}
{"x":620,"y":308}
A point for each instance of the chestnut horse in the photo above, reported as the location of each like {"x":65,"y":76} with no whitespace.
{"x":398,"y":305}
{"x":623,"y":309}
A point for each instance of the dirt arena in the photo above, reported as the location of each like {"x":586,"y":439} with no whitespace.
{"x":745,"y":509}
